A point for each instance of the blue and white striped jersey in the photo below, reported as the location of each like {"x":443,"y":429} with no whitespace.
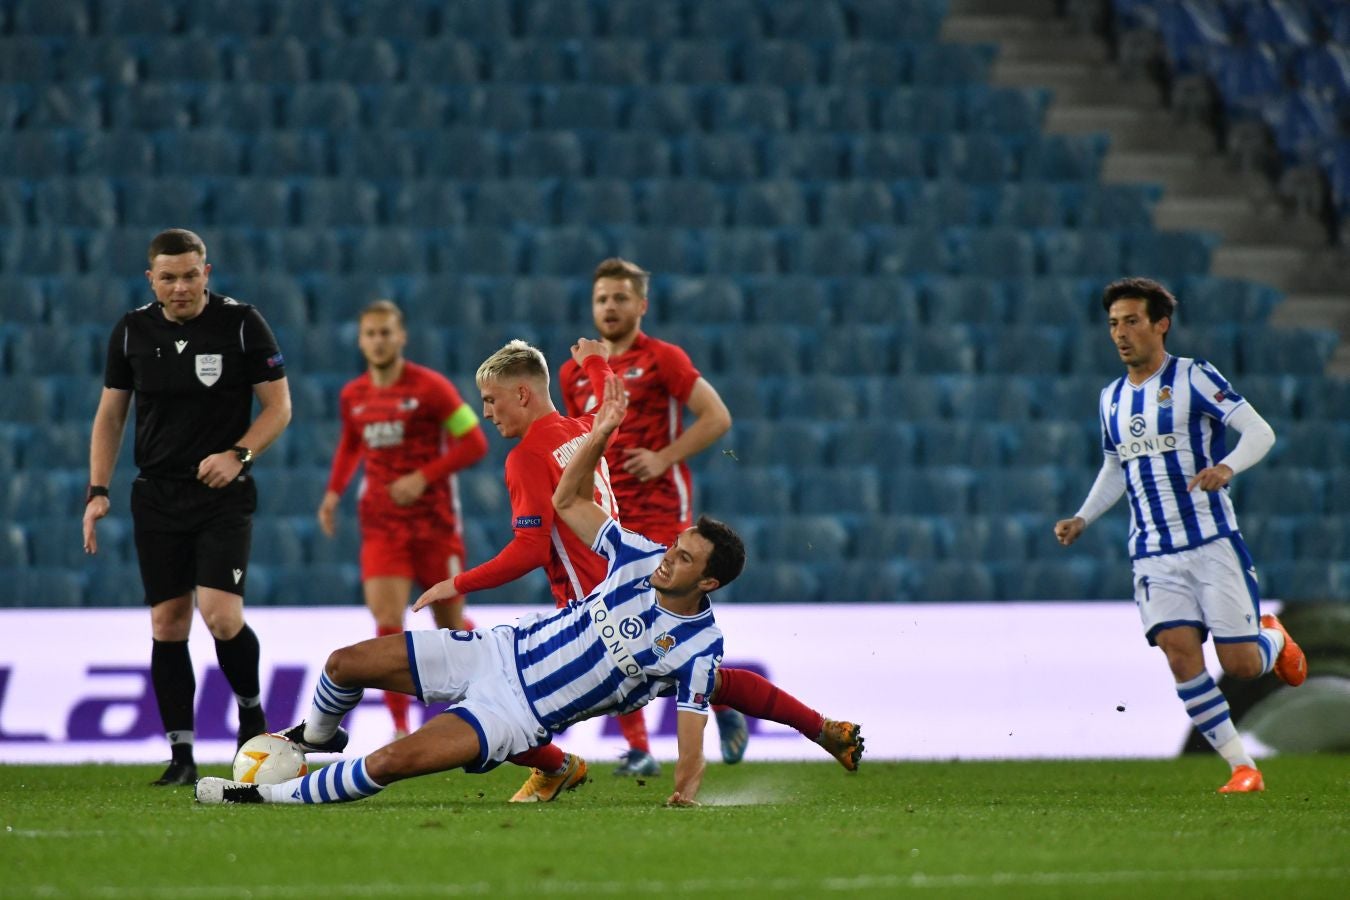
{"x":617,"y":649}
{"x":1162,"y":432}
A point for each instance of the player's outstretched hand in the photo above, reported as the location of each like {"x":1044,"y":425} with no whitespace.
{"x":678,"y":799}
{"x":1068,"y":530}
{"x":328,"y":513}
{"x":585,"y":347}
{"x":1211,"y":479}
{"x":613,"y":406}
{"x":440,"y":592}
{"x":95,"y":509}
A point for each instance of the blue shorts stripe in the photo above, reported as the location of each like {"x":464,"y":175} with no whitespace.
{"x":412,"y":665}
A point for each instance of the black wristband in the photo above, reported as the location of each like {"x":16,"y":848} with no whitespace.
{"x":94,"y":490}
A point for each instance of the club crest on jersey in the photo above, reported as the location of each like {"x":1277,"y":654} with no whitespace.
{"x":1165,"y":397}
{"x":663,"y":644}
{"x":1220,"y":396}
{"x":209,"y":366}
{"x":408,"y":404}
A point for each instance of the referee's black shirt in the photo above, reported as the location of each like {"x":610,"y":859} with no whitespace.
{"x":193,"y":380}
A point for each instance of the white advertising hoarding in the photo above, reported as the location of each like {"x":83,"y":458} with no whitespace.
{"x":958,"y":681}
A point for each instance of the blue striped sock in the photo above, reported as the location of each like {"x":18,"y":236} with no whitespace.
{"x":1208,"y":709}
{"x":326,"y":711}
{"x":1270,"y":641}
{"x":342,"y":782}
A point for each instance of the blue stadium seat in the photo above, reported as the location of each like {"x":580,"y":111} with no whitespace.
{"x":394,"y":18}
{"x":361,"y":60}
{"x":945,"y":490}
{"x":832,"y":109}
{"x":977,"y":159}
{"x":1063,"y":442}
{"x":476,"y":20}
{"x":824,"y":397}
{"x":982,"y":445}
{"x":807,"y":156}
{"x":26,"y":58}
{"x":443,"y":60}
{"x":755,"y":108}
{"x":502,"y":107}
{"x":57,"y":541}
{"x":326,"y":105}
{"x":284,"y":153}
{"x":579,"y":106}
{"x":40,"y":588}
{"x":377,"y":155}
{"x":246,"y":108}
{"x":1317,"y":538}
{"x":828,"y":251}
{"x":1169,"y":255}
{"x":1282,"y":491}
{"x":1003,"y":110}
{"x":508,"y":202}
{"x":700,"y":300}
{"x":199,"y":59}
{"x":775,"y":582}
{"x":123,"y":153}
{"x":895,"y":19}
{"x":259,"y":202}
{"x":317,"y":547}
{"x":614,"y":62}
{"x":953,"y":581}
{"x":661,"y":249}
{"x":13,"y":546}
{"x":55,"y":19}
{"x":298,"y":251}
{"x":279,"y":59}
{"x":778,"y":203}
{"x":1116,"y":206}
{"x":682,"y":203}
{"x":1073,"y":301}
{"x":789,"y":299}
{"x":542,"y":301}
{"x":478,"y":251}
{"x":722,"y":157}
{"x":631,"y":155}
{"x":315,"y":585}
{"x":950,"y":301}
{"x":808,"y":20}
{"x":890,"y":300}
{"x":1068,"y":579}
{"x":35,"y":154}
{"x":1026,"y":350}
{"x":58,"y":445}
{"x":951,"y":64}
{"x":1064,"y":157}
{"x":852,"y":491}
{"x":742,"y":251}
{"x":209,"y":151}
{"x":813,"y":537}
{"x":279,"y":298}
{"x":213,"y":17}
{"x":568,"y":250}
{"x":997,"y":539}
{"x":857,"y":581}
{"x":857,"y":349}
{"x":1276,"y":396}
{"x":544,"y":154}
{"x":1021,"y":490}
{"x":857,"y":203}
{"x":466,"y":153}
{"x":104,"y":60}
{"x":36,"y":493}
{"x":604,"y":201}
{"x":666,"y":109}
{"x":941,"y":349}
{"x":886,"y":157}
{"x":25,"y":303}
{"x":766,"y":442}
{"x":762,"y":348}
{"x":1212,"y":300}
{"x":58,"y":350}
{"x":1271,"y":538}
{"x":391,"y":251}
{"x":1033,"y":205}
{"x":1013,"y":400}
{"x":870,"y":441}
{"x":940,"y":203}
{"x":657,"y":22}
{"x":310,"y":19}
{"x":529,"y":62}
{"x":558,"y":18}
{"x":79,"y":202}
{"x":738,"y":20}
{"x":103,"y":300}
{"x":912,"y":538}
{"x":329,"y":203}
{"x":1096,"y":253}
{"x":693,"y":62}
{"x":25,"y":398}
{"x":751,"y":490}
{"x":427,"y":203}
{"x":165,"y":105}
{"x":868,"y":64}
{"x":1285,"y":350}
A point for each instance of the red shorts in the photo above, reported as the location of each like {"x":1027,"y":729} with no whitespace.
{"x":426,"y":560}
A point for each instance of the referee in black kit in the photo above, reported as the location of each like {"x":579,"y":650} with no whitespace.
{"x":194,"y":360}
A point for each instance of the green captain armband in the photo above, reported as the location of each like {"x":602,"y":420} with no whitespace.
{"x":461,"y":421}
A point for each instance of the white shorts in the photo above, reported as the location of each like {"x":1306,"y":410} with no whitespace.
{"x":1211,"y":587}
{"x":476,"y":672}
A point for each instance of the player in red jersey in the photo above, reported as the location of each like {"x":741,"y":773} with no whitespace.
{"x":654,"y":490}
{"x":513,"y":383}
{"x":396,"y":417}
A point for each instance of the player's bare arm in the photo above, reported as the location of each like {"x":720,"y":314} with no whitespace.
{"x":274,"y":398}
{"x":327,"y":514}
{"x":689,"y":765}
{"x":574,"y":498}
{"x":1068,"y":530}
{"x":713,"y":420}
{"x":110,"y":422}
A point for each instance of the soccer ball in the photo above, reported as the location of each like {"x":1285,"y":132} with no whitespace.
{"x":268,"y":759}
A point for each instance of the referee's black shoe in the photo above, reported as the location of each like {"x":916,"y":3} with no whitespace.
{"x":177,"y":773}
{"x":335,"y":744}
{"x":252,"y":722}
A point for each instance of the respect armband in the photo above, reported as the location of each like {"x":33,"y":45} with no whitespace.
{"x":94,"y":490}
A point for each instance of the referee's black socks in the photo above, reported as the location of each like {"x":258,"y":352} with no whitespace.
{"x":174,"y":683}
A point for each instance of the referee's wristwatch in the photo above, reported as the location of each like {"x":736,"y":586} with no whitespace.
{"x":245,"y":458}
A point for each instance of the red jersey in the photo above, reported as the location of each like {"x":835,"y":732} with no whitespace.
{"x":658,"y":378}
{"x":533,"y":469}
{"x":399,"y":429}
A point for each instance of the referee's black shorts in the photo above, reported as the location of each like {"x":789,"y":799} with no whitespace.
{"x":190,"y":535}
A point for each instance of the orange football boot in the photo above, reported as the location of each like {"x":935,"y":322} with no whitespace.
{"x":542,"y":787}
{"x":1245,"y":780}
{"x":1291,"y":666}
{"x":843,"y":741}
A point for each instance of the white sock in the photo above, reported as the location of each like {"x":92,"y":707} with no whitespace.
{"x":1270,"y":641}
{"x":330,"y":704}
{"x":1208,"y":709}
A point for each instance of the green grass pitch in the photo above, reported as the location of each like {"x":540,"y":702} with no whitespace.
{"x":972,"y":829}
